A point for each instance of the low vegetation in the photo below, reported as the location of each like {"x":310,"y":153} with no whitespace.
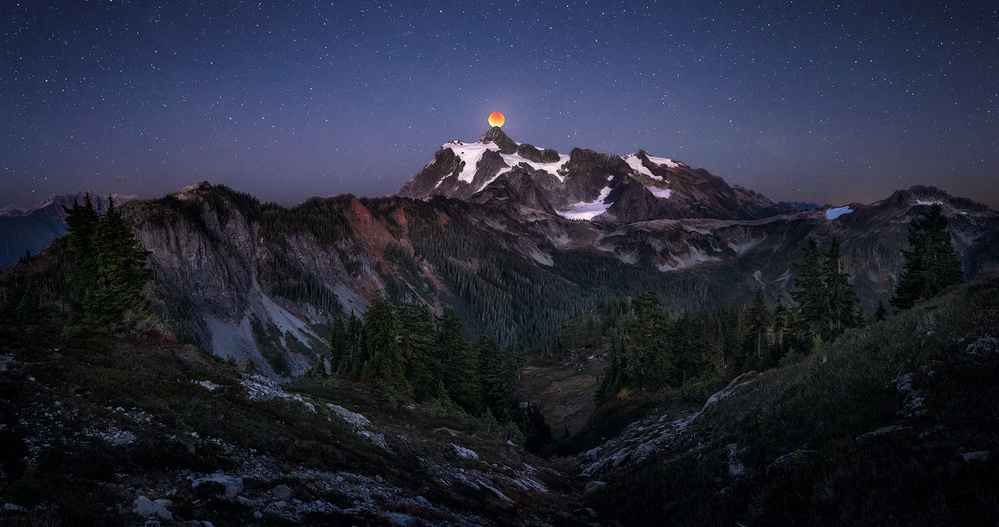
{"x":894,"y":424}
{"x":93,"y":421}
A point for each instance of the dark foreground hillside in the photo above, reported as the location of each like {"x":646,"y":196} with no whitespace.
{"x":106,"y":430}
{"x":897,"y":424}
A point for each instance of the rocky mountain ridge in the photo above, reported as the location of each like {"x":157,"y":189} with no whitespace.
{"x":507,"y":243}
{"x":583,"y":184}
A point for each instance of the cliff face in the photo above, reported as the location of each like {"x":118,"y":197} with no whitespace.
{"x":254,"y":281}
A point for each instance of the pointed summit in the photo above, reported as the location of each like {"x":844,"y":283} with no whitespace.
{"x":495,"y":135}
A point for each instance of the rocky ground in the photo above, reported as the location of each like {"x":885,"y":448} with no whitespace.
{"x":179,"y":439}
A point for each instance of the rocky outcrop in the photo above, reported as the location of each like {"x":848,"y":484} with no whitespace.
{"x":496,"y":167}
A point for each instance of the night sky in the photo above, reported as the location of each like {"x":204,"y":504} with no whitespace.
{"x":828,"y":101}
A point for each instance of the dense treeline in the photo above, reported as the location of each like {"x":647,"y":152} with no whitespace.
{"x":647,"y":348}
{"x":407,"y":348}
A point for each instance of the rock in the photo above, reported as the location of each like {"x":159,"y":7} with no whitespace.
{"x":594,"y":486}
{"x":397,"y":519}
{"x":981,"y":455}
{"x":735,"y":468}
{"x":465,"y":453}
{"x":231,"y":485}
{"x":586,"y":513}
{"x":379,"y":479}
{"x":145,"y":507}
{"x":13,"y":507}
{"x":281,"y":491}
{"x":592,"y":455}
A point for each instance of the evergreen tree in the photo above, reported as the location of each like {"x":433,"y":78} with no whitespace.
{"x":497,"y":372}
{"x":339,"y":347}
{"x":813,"y":304}
{"x":931,"y":264}
{"x":416,"y":336}
{"x":651,"y":364}
{"x":385,"y":361}
{"x":759,"y":320}
{"x":81,"y":221}
{"x":458,"y":362}
{"x":842,"y":297}
{"x":108,"y":266}
{"x":537,"y":433}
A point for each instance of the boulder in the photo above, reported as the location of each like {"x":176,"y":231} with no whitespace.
{"x":231,"y":485}
{"x":146,"y":507}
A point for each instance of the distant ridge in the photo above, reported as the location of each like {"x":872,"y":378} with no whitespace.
{"x":32,"y":230}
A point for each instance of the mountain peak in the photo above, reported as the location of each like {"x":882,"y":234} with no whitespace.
{"x":495,"y":135}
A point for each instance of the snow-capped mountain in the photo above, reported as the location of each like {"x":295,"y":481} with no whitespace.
{"x":583,"y":185}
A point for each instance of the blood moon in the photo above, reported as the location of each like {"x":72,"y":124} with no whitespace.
{"x":496,"y":119}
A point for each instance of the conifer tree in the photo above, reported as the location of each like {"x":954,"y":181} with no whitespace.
{"x":458,"y":362}
{"x":416,"y":336}
{"x":759,"y":320}
{"x":813,"y":305}
{"x":108,"y":266}
{"x":385,"y":361}
{"x":931,"y":264}
{"x":497,"y":376}
{"x":842,"y":297}
{"x":81,"y":221}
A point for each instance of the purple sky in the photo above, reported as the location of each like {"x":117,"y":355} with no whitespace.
{"x":824,"y":101}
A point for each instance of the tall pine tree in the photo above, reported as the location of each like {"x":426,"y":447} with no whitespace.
{"x":931,"y":264}
{"x":108,"y":265}
{"x":385,"y":361}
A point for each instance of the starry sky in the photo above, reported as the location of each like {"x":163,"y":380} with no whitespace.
{"x":829,"y":101}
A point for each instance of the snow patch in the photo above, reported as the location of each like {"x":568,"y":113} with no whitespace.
{"x":587,"y":210}
{"x":832,"y":214}
{"x":553,"y":168}
{"x":659,"y":192}
{"x":635,"y":163}
{"x":470,"y":154}
{"x":921,"y":202}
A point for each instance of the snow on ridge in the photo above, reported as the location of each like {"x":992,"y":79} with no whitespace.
{"x":832,"y":214}
{"x":587,"y":210}
{"x":470,"y":154}
{"x":635,"y":162}
{"x":921,"y":202}
{"x":663,"y":161}
{"x":659,"y":192}
{"x":552,"y":168}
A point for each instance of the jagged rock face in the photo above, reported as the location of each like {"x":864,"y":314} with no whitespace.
{"x":583,"y":185}
{"x":228,"y":269}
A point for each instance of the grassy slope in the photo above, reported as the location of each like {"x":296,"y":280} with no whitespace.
{"x":896,"y":424}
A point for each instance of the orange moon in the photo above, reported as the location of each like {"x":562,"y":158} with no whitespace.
{"x":496,"y":119}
